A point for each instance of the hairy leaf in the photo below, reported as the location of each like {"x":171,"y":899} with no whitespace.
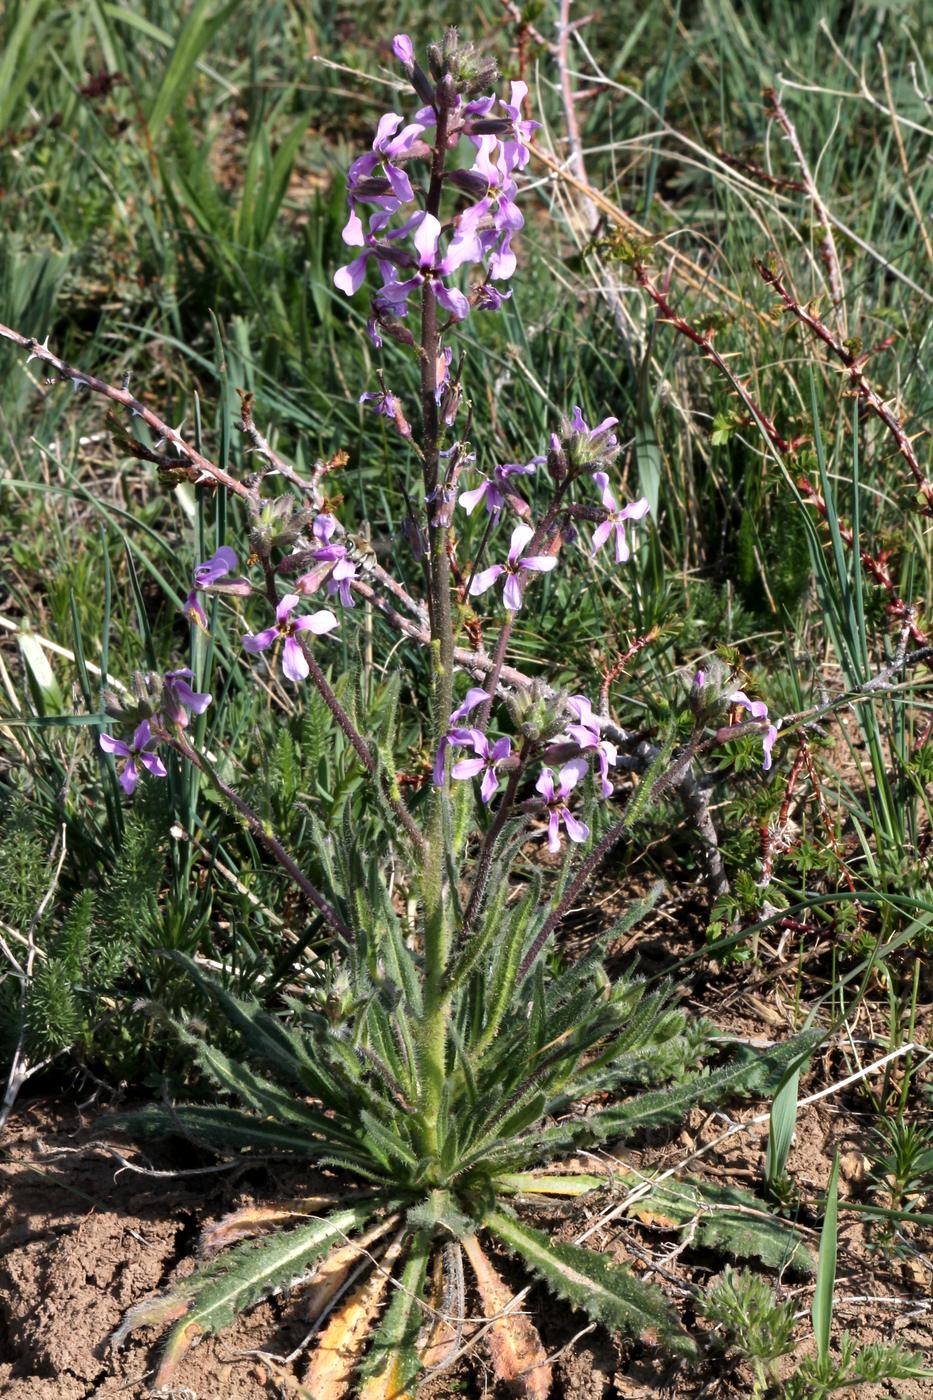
{"x":594,"y":1284}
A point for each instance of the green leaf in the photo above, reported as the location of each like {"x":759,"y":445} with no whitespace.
{"x":781,"y":1126}
{"x":393,"y":1363}
{"x":236,"y":1280}
{"x":593,"y":1283}
{"x":195,"y":35}
{"x":822,"y":1311}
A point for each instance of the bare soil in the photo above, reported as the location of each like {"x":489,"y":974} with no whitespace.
{"x":81,"y":1240}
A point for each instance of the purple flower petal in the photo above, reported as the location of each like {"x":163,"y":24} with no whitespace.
{"x":426,"y":238}
{"x":538,"y":563}
{"x":570,"y":775}
{"x":471,"y":499}
{"x":452,"y":300}
{"x":114,"y":746}
{"x":608,"y":499}
{"x":487,"y":788}
{"x":468,"y":767}
{"x":294,"y":662}
{"x":512,"y":593}
{"x":521,"y":536}
{"x":576,"y":830}
{"x":767,"y":744}
{"x":128,"y":777}
{"x":601,"y":535}
{"x":545,"y":784}
{"x":474,"y":696}
{"x":403,"y":49}
{"x":319,"y":622}
{"x":260,"y":641}
{"x":485,"y":579}
{"x":349,"y":279}
{"x":154,"y":764}
{"x":224,"y":561}
{"x":553,"y":831}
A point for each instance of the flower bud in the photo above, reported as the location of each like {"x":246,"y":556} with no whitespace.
{"x":536,"y":713}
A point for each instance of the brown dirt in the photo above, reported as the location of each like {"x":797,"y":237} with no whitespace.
{"x":80,"y":1242}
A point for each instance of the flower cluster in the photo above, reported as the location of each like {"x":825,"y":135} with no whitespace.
{"x":411,"y":247}
{"x":491,"y":757}
{"x":158,"y":703}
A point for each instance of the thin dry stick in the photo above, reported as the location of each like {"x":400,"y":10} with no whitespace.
{"x":205,"y":470}
{"x":828,"y":250}
{"x":862,"y":387}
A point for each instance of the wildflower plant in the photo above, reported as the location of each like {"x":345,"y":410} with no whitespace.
{"x":442,"y":1068}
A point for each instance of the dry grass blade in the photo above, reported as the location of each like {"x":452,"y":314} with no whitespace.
{"x":518,"y":1357}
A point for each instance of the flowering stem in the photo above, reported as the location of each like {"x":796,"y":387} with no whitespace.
{"x":261,"y":832}
{"x":484,"y":859}
{"x":432,"y":1031}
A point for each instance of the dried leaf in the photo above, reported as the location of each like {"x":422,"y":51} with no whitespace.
{"x":254,"y":1220}
{"x":518,"y":1357}
{"x":340,"y":1344}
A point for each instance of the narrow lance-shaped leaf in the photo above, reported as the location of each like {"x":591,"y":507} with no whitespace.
{"x":237,"y":1280}
{"x":594,"y":1284}
{"x":826,"y":1272}
{"x":393,"y":1363}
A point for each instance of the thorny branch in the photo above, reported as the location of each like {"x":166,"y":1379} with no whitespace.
{"x":863,"y":389}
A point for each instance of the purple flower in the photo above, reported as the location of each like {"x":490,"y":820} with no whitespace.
{"x":294,"y":661}
{"x":488,"y":298}
{"x":587,"y":732}
{"x":211,"y":576}
{"x":615,"y":519}
{"x":496,"y":213}
{"x":758,"y":710}
{"x":141,"y":749}
{"x":453,"y":736}
{"x":601,"y":436}
{"x":513,"y":568}
{"x":387,"y":147}
{"x":516,"y":151}
{"x":495,"y":489}
{"x":218,"y":566}
{"x":194,"y":612}
{"x":384,"y":403}
{"x":489,"y":756}
{"x":178,"y":698}
{"x":555,"y":802}
{"x":432,"y":269}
